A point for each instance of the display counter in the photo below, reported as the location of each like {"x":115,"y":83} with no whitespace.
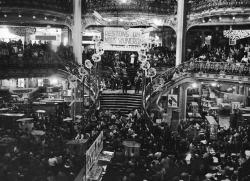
{"x":131,"y":148}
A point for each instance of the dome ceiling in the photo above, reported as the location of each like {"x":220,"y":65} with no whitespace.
{"x":117,"y":12}
{"x":145,"y":6}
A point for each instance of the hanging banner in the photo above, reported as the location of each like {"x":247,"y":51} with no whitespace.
{"x":120,"y":39}
{"x":172,"y":101}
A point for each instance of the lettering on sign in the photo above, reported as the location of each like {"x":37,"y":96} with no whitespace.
{"x":122,"y":39}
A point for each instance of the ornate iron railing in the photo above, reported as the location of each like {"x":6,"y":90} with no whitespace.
{"x":202,"y":5}
{"x":159,"y":83}
{"x":149,"y":6}
{"x":48,"y":59}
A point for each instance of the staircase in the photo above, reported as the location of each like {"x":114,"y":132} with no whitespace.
{"x":123,"y":102}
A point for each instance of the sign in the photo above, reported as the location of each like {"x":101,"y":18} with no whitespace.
{"x":232,"y":42}
{"x":93,"y":152}
{"x":172,"y":101}
{"x":47,"y":38}
{"x":119,"y":39}
{"x":235,"y":105}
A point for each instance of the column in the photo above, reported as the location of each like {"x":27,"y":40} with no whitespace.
{"x":77,"y":31}
{"x":180,"y":32}
{"x":183,"y":102}
{"x":70,"y":37}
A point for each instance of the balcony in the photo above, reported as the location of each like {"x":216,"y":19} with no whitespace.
{"x":201,"y":70}
{"x":62,"y":6}
{"x":144,"y":6}
{"x":18,"y":60}
{"x":204,"y":5}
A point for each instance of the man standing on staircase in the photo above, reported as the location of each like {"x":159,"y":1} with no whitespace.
{"x":124,"y":84}
{"x":137,"y":84}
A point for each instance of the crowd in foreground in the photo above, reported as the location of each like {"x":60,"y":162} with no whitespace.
{"x":188,"y":153}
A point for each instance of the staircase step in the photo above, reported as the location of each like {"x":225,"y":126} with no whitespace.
{"x":120,"y":99}
{"x":121,"y":102}
{"x":121,"y":95}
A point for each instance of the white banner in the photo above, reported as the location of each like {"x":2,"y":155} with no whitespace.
{"x":119,"y":39}
{"x":93,"y":152}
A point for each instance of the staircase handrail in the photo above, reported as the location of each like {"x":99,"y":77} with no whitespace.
{"x":91,"y":82}
{"x":223,"y":68}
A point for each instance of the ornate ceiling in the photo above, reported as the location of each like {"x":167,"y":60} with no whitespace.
{"x":123,"y":12}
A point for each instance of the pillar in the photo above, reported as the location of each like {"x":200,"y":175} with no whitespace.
{"x":180,"y":32}
{"x":77,"y":31}
{"x":70,"y":37}
{"x":183,"y":102}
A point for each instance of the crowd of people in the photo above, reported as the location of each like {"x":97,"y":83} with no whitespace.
{"x":124,"y":67}
{"x":198,"y":5}
{"x":28,"y":157}
{"x":189,"y":153}
{"x":231,"y":54}
{"x":17,"y":53}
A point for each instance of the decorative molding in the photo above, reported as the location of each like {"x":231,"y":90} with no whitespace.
{"x":236,"y":34}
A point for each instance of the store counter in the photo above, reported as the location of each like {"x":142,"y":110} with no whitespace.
{"x":131,"y":148}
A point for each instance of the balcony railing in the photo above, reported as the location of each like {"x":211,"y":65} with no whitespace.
{"x":64,"y":6}
{"x":149,"y":6}
{"x":159,"y":83}
{"x":203,"y":5}
{"x":47,"y":60}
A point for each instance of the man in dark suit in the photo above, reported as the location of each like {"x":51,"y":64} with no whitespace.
{"x":124,"y":84}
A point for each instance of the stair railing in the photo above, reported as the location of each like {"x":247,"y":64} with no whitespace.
{"x":162,"y":81}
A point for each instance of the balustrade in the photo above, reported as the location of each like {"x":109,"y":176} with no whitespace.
{"x":219,"y":68}
{"x":159,"y":7}
{"x":202,"y":5}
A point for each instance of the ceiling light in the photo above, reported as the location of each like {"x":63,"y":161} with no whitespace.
{"x":233,"y":17}
{"x":5,"y":15}
{"x":214,"y":84}
{"x":19,"y":16}
{"x":45,"y":18}
{"x":158,"y":22}
{"x":34,"y":17}
{"x":220,"y":18}
{"x":123,"y":1}
{"x":194,"y":85}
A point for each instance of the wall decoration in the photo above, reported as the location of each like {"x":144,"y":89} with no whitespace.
{"x":236,"y":34}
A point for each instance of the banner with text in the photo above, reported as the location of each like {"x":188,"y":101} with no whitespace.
{"x":120,"y":39}
{"x":93,"y":152}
